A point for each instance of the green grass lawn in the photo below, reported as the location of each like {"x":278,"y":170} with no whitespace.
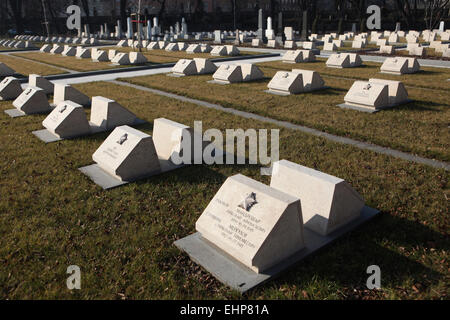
{"x":420,"y":127}
{"x":51,"y":216}
{"x":28,"y":67}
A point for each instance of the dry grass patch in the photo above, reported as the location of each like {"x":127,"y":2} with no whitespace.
{"x":71,"y":63}
{"x":122,"y":239}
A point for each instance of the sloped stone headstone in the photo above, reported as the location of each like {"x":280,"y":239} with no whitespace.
{"x":285,"y":83}
{"x":67,"y":120}
{"x":121,"y":58}
{"x":137,"y":58}
{"x":108,"y":114}
{"x":69,"y":51}
{"x":228,"y":73}
{"x":36,"y":80}
{"x":327,"y":202}
{"x":57,"y":49}
{"x":367,"y":96}
{"x":204,"y":66}
{"x":10,"y":88}
{"x":194,"y":48}
{"x":127,"y":154}
{"x":83,"y":53}
{"x":396,"y":91}
{"x":257,"y":225}
{"x":167,"y":137}
{"x":185,"y":67}
{"x":65,"y":92}
{"x":5,"y":71}
{"x":312,"y":80}
{"x":250,"y":72}
{"x":219,"y":51}
{"x":45,"y":48}
{"x":32,"y":100}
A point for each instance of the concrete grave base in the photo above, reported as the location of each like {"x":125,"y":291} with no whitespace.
{"x":46,"y":136}
{"x":14,"y":113}
{"x":219,"y":82}
{"x":175,"y":75}
{"x":107,"y":181}
{"x":237,"y":276}
{"x":49,"y":137}
{"x":280,"y":93}
{"x":369,"y":109}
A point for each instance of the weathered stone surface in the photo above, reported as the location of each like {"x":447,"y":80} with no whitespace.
{"x":372,"y":96}
{"x":399,"y":65}
{"x":167,"y":137}
{"x":83,"y":53}
{"x":396,"y":91}
{"x":127,"y":154}
{"x":121,"y":58}
{"x":32,"y":100}
{"x":194,"y":48}
{"x":36,"y":80}
{"x":137,"y":58}
{"x":387,"y":49}
{"x":172,"y":47}
{"x":344,"y":60}
{"x":67,"y":120}
{"x":10,"y":88}
{"x":185,"y":67}
{"x":311,"y":80}
{"x":204,"y":66}
{"x":219,"y":51}
{"x":286,"y":83}
{"x":69,"y":51}
{"x":108,"y":114}
{"x":66,"y":92}
{"x":6,"y":71}
{"x":257,"y":225}
{"x":250,"y":72}
{"x":56,"y":49}
{"x":228,"y":73}
{"x":327,"y":202}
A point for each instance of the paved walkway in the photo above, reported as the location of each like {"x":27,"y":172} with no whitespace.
{"x":288,"y":125}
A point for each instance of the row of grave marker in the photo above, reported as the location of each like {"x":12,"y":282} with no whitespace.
{"x":260,"y":229}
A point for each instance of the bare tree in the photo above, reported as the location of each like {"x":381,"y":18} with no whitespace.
{"x":435,"y":10}
{"x":16,"y":8}
{"x":85,"y":6}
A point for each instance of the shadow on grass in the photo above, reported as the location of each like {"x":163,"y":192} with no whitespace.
{"x":420,"y":106}
{"x":345,"y":261}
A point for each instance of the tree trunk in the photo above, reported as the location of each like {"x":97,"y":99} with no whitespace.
{"x":16,"y":8}
{"x":123,"y":13}
{"x":85,"y":5}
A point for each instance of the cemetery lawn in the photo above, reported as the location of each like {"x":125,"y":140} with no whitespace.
{"x":71,"y":63}
{"x":26,"y":68}
{"x":420,"y":127}
{"x":52,"y":216}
